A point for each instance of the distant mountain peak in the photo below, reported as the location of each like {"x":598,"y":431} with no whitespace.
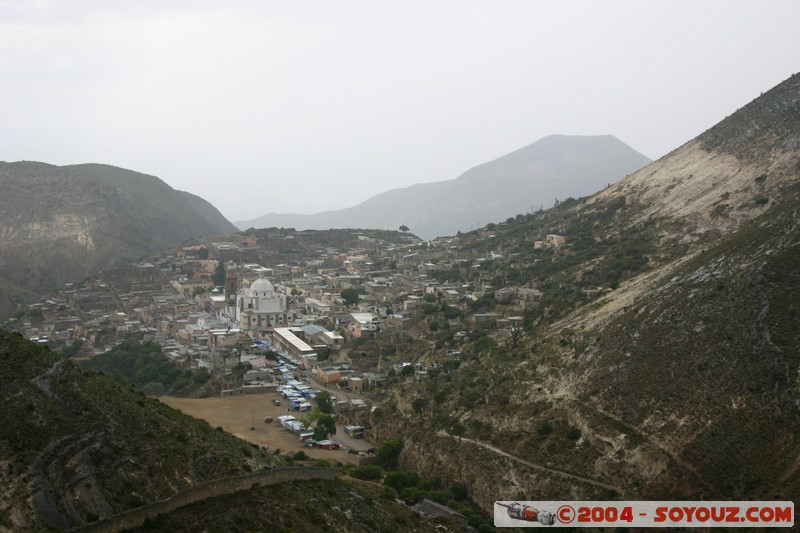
{"x":554,"y":167}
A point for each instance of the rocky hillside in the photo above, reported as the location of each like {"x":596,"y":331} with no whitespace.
{"x":60,"y":224}
{"x":661,"y":360}
{"x":556,"y":167}
{"x":298,"y":506}
{"x":76,"y":446}
{"x":78,"y":451}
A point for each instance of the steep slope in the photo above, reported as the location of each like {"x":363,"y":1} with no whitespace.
{"x":556,"y":167}
{"x":727,"y":174}
{"x":662,"y":358}
{"x":59,"y":224}
{"x":707,"y":362}
{"x":76,"y":446}
{"x":297,"y":506}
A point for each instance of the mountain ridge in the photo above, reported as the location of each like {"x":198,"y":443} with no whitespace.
{"x":60,"y":224}
{"x":554,"y":167}
{"x":661,"y":356}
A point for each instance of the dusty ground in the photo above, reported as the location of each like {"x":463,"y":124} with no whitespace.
{"x":237,"y":414}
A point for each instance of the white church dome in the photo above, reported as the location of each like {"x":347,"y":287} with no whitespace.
{"x":261,"y":285}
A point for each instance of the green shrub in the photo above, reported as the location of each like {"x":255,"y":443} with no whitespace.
{"x":412,"y":494}
{"x":438,"y":497}
{"x":545,"y":428}
{"x":401,"y":479}
{"x":430,"y":483}
{"x":366,"y":472}
{"x":300,"y":456}
{"x":388,"y":452}
{"x":459,"y":491}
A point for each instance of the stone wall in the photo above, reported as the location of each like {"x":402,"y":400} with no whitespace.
{"x":136,"y":517}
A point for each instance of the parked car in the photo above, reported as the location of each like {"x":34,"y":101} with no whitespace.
{"x":276,"y":401}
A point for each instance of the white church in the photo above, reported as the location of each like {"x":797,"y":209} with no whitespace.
{"x":259,"y":306}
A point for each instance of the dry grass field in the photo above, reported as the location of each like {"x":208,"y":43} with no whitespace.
{"x":238,"y":414}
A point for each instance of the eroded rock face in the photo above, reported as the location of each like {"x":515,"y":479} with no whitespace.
{"x":60,"y":224}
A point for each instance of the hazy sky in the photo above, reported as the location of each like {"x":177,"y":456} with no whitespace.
{"x":305,"y":106}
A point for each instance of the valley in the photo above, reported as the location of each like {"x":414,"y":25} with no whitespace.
{"x":639,"y":343}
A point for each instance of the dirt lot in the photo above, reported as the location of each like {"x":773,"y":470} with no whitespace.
{"x":237,"y":414}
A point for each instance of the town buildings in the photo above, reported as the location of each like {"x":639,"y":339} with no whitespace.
{"x":281,"y":291}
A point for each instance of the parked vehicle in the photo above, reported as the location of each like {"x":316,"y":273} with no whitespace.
{"x":327,"y":445}
{"x":276,"y":401}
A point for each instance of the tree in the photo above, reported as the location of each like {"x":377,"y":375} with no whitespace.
{"x":440,"y":395}
{"x":327,"y":421}
{"x":203,"y":253}
{"x":218,"y":277}
{"x":324,"y":403}
{"x":419,"y":404}
{"x":350,"y":296}
{"x":457,"y":429}
{"x":201,"y":376}
{"x":404,"y":228}
{"x":388,"y":452}
{"x":325,"y":424}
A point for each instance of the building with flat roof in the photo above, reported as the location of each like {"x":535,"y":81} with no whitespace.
{"x":361,"y":323}
{"x":286,"y":340}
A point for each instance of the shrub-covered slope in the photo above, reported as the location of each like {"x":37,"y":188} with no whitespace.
{"x":661,"y":358}
{"x":75,"y":446}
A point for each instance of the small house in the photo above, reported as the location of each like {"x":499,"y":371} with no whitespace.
{"x":356,"y":432}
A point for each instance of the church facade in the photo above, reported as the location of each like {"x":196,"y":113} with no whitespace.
{"x":259,"y":307}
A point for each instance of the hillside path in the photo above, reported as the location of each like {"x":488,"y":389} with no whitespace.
{"x":535,"y":466}
{"x":652,"y":439}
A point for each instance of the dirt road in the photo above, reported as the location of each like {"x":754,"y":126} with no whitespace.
{"x":237,"y":414}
